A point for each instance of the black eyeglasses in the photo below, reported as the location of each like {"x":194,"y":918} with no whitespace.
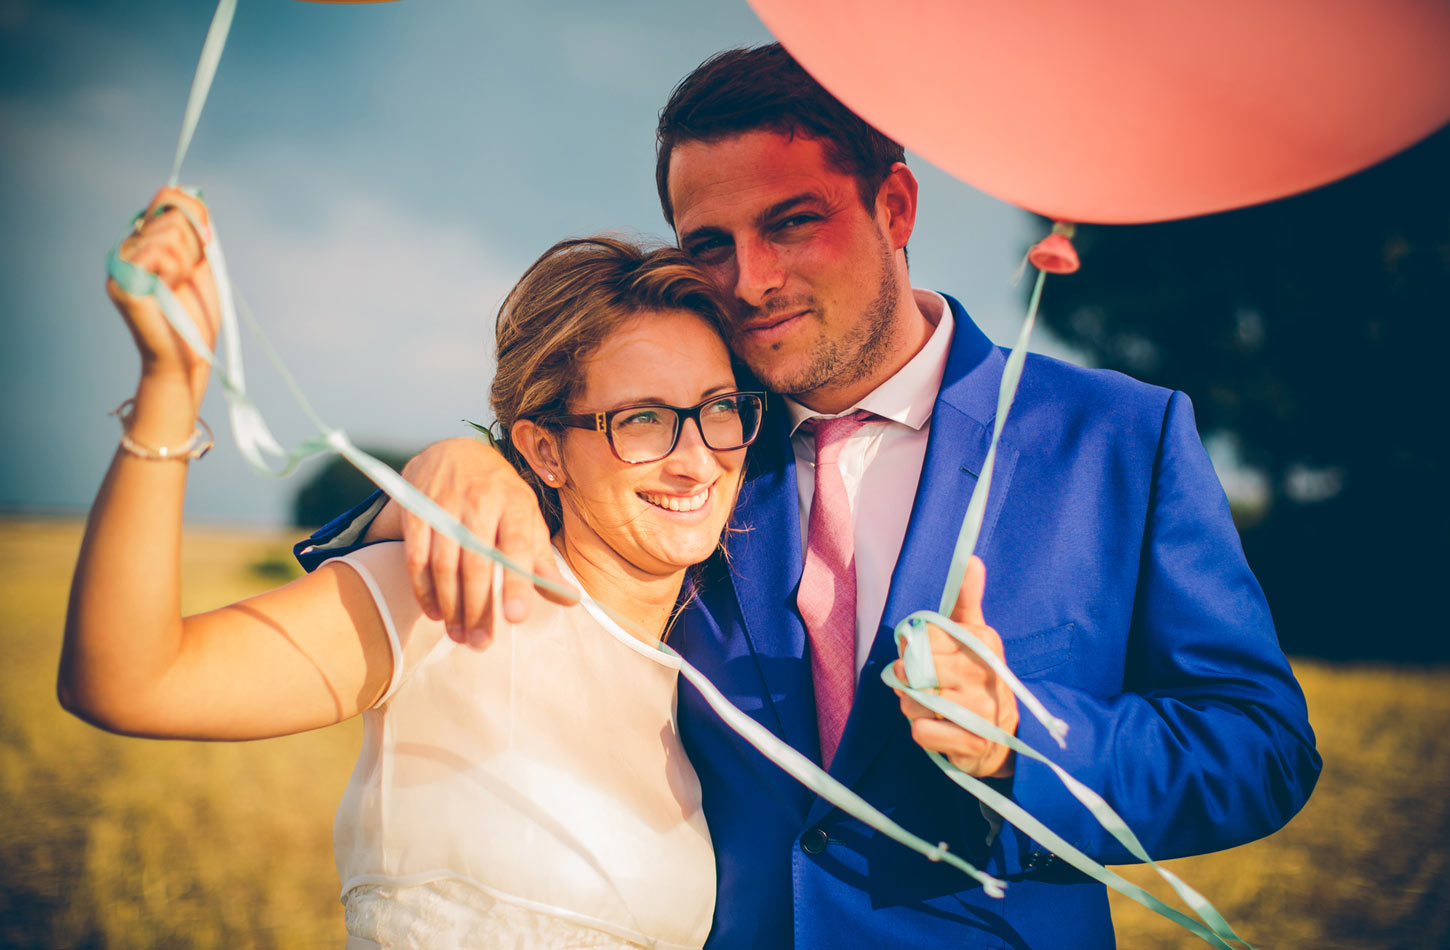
{"x":648,"y":433}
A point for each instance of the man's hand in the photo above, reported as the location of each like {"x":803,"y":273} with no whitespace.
{"x":965,"y":680}
{"x":478,"y":486}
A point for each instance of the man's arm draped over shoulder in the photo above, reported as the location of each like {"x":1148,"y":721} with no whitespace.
{"x":478,"y":486}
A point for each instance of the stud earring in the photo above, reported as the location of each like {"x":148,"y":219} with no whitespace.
{"x":549,"y":476}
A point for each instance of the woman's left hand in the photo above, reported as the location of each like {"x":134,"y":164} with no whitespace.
{"x":166,"y":243}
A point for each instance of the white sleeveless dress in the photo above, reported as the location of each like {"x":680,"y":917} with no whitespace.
{"x":532,"y":794}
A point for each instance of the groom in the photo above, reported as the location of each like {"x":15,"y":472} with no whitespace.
{"x":1115,"y":584}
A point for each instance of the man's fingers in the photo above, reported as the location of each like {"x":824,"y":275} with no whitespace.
{"x":483,"y":491}
{"x":912,"y":709}
{"x":475,"y":575}
{"x":475,"y":583}
{"x":965,"y":749}
{"x":968,"y":609}
{"x":522,"y":538}
{"x":444,"y":555}
{"x":417,"y":548}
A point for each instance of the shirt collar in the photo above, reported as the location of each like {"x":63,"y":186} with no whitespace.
{"x":909,"y":395}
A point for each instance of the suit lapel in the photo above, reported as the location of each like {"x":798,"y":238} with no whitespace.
{"x":961,"y":431}
{"x":765,"y":569}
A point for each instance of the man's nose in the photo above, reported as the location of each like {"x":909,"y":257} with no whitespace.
{"x":758,"y":273}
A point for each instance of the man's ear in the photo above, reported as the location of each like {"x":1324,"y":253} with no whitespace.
{"x":540,"y":448}
{"x":896,"y":205}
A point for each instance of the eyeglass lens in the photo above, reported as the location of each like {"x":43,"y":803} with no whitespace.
{"x":647,"y":433}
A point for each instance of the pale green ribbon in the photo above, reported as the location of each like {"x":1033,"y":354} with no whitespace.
{"x":257,"y":444}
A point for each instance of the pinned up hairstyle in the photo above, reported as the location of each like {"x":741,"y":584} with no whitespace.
{"x":764,"y":88}
{"x":566,"y":304}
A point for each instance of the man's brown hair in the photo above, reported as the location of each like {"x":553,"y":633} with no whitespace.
{"x":764,"y":88}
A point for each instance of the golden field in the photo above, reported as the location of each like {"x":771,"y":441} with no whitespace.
{"x":123,"y":843}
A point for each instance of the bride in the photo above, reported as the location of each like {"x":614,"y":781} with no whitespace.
{"x":531,"y":793}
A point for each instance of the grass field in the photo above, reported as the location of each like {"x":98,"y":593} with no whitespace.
{"x":121,"y":843}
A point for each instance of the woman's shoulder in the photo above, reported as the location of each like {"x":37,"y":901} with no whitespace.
{"x":382,"y":568}
{"x":412,"y":635}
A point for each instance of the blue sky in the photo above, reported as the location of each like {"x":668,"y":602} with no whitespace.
{"x":379,"y":174}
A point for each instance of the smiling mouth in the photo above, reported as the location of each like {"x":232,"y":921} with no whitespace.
{"x":676,"y":503}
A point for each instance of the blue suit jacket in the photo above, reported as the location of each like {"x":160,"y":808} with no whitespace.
{"x":1117,"y":582}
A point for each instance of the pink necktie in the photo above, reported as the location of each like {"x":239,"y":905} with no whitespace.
{"x":827,"y":597}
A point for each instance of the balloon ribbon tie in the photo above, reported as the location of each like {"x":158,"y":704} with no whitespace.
{"x":1055,"y":254}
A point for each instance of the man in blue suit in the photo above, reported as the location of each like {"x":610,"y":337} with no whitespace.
{"x":1117,"y":587}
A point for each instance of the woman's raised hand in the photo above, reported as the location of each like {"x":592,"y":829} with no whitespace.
{"x":167,"y":244}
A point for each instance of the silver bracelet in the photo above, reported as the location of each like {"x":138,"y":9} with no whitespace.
{"x":199,"y":444}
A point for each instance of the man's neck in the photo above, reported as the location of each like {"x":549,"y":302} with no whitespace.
{"x":917,"y":316}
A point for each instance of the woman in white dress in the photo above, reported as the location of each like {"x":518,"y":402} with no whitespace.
{"x":532,"y":793}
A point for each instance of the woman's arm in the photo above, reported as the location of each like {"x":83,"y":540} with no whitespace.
{"x":305,"y":655}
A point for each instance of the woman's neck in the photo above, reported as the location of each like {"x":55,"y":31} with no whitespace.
{"x":640,"y":601}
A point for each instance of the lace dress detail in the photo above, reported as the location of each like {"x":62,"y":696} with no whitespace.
{"x":454,"y":914}
{"x":531,"y":794}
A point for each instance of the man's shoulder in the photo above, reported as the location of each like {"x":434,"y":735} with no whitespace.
{"x":1059,"y":400}
{"x":1070,"y":388}
{"x":1044,"y":376}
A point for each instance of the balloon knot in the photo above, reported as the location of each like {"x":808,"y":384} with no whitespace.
{"x":1055,"y":253}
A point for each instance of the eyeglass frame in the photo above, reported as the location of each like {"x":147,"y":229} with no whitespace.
{"x":604,"y":422}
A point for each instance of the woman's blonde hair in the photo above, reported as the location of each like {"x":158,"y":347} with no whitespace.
{"x":574,"y":296}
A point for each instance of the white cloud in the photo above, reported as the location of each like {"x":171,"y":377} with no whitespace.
{"x":385,"y":314}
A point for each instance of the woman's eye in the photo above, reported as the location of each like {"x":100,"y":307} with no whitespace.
{"x":640,"y":417}
{"x":724,"y":407}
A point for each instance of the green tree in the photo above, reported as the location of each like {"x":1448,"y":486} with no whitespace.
{"x":1312,"y":333}
{"x":336,"y":487}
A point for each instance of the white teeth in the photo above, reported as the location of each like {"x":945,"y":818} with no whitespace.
{"x":675,"y":503}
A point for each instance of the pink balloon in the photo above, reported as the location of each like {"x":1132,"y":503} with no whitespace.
{"x":1117,"y":111}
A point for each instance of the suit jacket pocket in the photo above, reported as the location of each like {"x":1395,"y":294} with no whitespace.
{"x":1036,"y":653}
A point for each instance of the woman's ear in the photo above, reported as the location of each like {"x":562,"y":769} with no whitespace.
{"x":540,"y":448}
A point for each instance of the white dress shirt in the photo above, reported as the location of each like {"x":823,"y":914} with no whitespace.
{"x":881,"y":465}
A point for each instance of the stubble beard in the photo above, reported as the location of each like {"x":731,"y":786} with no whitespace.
{"x":835,"y":363}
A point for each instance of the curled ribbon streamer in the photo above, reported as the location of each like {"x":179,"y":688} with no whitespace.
{"x":256,"y":442}
{"x":912,"y":632}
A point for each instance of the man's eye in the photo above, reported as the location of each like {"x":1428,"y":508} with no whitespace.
{"x":795,"y":221}
{"x":712,"y":249}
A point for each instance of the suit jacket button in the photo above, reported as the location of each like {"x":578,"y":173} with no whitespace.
{"x":813,"y":841}
{"x":1039,"y":860}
